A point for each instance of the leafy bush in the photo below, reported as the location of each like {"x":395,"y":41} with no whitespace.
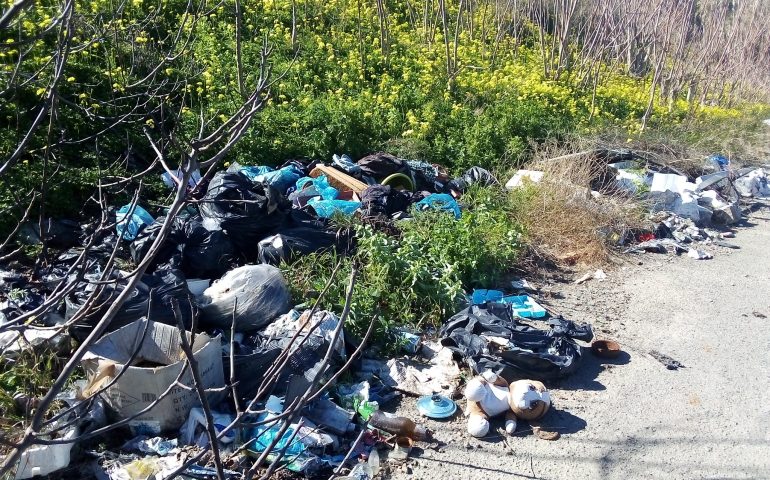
{"x":419,"y":277}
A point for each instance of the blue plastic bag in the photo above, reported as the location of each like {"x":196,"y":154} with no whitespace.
{"x":264,"y":435}
{"x":346,"y":163}
{"x":129,"y":228}
{"x":254,"y":171}
{"x":522,"y":305}
{"x":439,"y":201}
{"x":321,"y":184}
{"x":327,"y":208}
{"x":281,"y":179}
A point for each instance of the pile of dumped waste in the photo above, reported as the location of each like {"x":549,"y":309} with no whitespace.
{"x":210,"y":369}
{"x":689,"y":213}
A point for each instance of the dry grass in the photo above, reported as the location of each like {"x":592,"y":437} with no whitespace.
{"x":565,"y":223}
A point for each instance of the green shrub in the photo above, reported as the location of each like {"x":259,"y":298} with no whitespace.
{"x":417,"y":278}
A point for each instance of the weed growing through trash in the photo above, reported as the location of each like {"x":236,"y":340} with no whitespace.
{"x":29,"y":375}
{"x":418,"y":278}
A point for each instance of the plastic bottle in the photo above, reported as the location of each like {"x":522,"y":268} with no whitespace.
{"x":400,"y":426}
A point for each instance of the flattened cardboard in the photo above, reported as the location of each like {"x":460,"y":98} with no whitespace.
{"x":139,"y":387}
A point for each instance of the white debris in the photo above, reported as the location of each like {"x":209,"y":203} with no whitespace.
{"x":523,"y":176}
{"x":597,"y":275}
{"x":699,"y":254}
{"x":753,"y":184}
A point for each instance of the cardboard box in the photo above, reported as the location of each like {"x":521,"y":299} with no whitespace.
{"x":155,"y":367}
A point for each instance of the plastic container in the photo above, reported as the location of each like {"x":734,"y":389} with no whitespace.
{"x":522,"y":305}
{"x":436,"y":406}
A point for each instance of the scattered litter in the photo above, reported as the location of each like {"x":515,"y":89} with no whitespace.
{"x":669,"y":362}
{"x":415,"y":378}
{"x":156,"y":445}
{"x":699,"y":254}
{"x":522,"y":177}
{"x":597,"y":275}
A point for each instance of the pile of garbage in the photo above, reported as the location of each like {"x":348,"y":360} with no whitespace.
{"x":688,"y":213}
{"x":208,"y":369}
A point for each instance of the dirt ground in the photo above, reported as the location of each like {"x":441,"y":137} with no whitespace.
{"x":631,"y":417}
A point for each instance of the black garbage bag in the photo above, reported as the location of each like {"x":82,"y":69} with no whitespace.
{"x":294,"y":242}
{"x":383,"y":200}
{"x":59,"y":233}
{"x":205,"y":254}
{"x":246,"y":211}
{"x":251,"y":362}
{"x":141,"y":245}
{"x":472,"y":176}
{"x":532,"y":353}
{"x":162,"y":287}
{"x":380,"y":165}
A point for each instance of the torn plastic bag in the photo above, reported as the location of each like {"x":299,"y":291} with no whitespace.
{"x":472,"y":176}
{"x":383,"y":200}
{"x":380,"y":165}
{"x":518,"y":350}
{"x":129,"y":227}
{"x":163,"y":286}
{"x":257,"y":293}
{"x":294,"y":242}
{"x":247,"y":212}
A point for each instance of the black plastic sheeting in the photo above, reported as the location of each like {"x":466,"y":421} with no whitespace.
{"x":380,"y":165}
{"x":532,"y":353}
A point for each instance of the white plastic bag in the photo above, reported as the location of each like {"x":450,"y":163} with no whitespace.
{"x":257,"y":292}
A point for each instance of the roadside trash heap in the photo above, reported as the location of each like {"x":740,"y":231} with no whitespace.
{"x":209,"y":346}
{"x":688,"y":213}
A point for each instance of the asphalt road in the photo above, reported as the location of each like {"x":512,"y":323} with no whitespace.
{"x":633,"y":418}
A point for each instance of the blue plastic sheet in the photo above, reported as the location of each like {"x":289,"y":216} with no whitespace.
{"x":522,"y":305}
{"x":439,"y":201}
{"x":129,"y":228}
